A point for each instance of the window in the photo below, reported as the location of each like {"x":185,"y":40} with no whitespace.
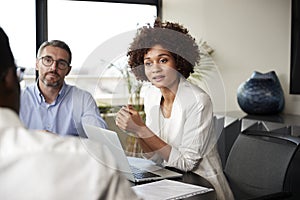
{"x":98,"y":34}
{"x":84,"y":25}
{"x":17,"y":18}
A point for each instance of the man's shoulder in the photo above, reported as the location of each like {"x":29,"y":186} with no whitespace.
{"x":29,"y":88}
{"x":46,"y":142}
{"x":77,"y":90}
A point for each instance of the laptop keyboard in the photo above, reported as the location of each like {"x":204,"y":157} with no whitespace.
{"x":139,"y":173}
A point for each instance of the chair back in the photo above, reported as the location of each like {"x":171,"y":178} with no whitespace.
{"x":258,"y":163}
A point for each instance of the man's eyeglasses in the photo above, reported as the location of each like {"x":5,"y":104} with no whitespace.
{"x":48,"y":61}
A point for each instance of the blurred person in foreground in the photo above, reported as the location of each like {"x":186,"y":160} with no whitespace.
{"x":179,"y":130}
{"x":51,"y":104}
{"x":46,"y":166}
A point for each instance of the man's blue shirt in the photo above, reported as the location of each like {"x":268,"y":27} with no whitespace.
{"x":72,"y":107}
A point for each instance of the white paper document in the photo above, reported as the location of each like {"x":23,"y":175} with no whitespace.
{"x":168,"y":189}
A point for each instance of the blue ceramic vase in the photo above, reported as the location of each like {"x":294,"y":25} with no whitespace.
{"x":261,"y":94}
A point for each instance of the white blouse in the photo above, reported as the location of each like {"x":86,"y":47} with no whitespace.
{"x":190,"y":133}
{"x":164,"y":128}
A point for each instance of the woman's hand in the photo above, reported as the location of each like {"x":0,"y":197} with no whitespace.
{"x":129,"y":119}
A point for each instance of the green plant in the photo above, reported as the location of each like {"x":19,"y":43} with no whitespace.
{"x":133,"y":86}
{"x":206,"y":63}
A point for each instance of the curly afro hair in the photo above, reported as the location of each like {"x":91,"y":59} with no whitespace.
{"x":171,"y":36}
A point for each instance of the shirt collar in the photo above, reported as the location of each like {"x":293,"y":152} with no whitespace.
{"x":40,"y":97}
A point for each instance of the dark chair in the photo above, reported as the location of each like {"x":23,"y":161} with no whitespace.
{"x":264,"y":165}
{"x":226,"y":139}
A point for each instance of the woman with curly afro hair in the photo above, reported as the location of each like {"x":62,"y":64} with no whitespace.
{"x":179,"y":130}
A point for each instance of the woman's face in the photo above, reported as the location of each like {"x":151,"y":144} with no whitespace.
{"x":160,"y":68}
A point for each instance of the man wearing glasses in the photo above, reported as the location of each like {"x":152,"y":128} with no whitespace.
{"x":51,"y":104}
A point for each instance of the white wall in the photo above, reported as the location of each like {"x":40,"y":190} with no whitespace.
{"x":247,"y":35}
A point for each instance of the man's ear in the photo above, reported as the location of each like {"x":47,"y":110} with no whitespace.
{"x":10,"y":79}
{"x":37,"y":64}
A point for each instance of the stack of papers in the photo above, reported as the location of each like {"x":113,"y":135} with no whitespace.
{"x":168,"y":189}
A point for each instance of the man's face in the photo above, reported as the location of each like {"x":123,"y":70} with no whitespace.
{"x":52,"y":75}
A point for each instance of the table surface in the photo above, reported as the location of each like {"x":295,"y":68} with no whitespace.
{"x":287,"y":119}
{"x":192,"y":178}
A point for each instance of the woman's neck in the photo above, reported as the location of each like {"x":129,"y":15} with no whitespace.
{"x":166,"y":103}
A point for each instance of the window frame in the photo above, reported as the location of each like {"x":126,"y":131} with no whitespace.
{"x":42,"y":16}
{"x":42,"y":19}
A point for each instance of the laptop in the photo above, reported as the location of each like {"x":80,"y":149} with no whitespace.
{"x":134,"y":169}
